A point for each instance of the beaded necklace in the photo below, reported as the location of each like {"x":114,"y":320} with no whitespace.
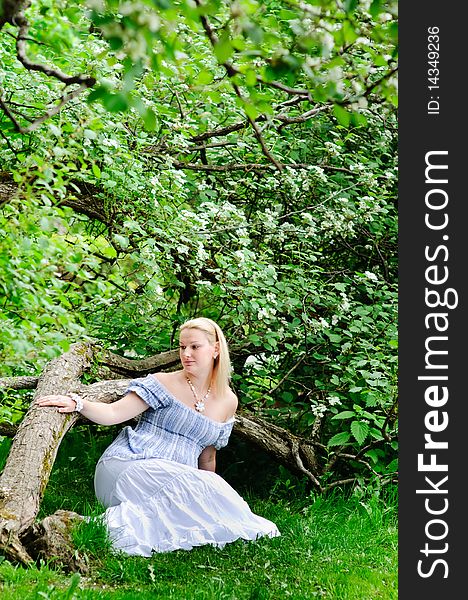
{"x":199,"y":402}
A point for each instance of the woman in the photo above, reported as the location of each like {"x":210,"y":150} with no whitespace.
{"x":157,"y":480}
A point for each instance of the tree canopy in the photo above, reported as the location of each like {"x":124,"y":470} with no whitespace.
{"x":237,"y":160}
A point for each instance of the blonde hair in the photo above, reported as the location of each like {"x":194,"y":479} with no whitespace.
{"x":222,"y":363}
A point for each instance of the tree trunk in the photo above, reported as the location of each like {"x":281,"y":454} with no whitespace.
{"x":33,"y":452}
{"x":38,"y":437}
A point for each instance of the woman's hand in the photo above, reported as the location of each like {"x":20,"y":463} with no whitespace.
{"x":64,"y":404}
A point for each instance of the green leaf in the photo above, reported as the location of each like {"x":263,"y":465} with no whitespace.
{"x":375,"y":8}
{"x":339,"y":439}
{"x":342,"y":115}
{"x":55,"y":130}
{"x":251,"y":111}
{"x":340,"y":286}
{"x":121,"y":240}
{"x":349,"y":33}
{"x":350,"y":5}
{"x":149,"y":119}
{"x":204,"y":77}
{"x":358,"y":119}
{"x":115,"y":42}
{"x":251,"y":78}
{"x":360,"y":430}
{"x":90,"y":134}
{"x":253,"y":32}
{"x":223,"y":49}
{"x":345,"y":414}
{"x":287,"y":15}
{"x":115,"y":102}
{"x":376,"y":433}
{"x":97,"y":94}
{"x":373,"y":455}
{"x":380,"y":61}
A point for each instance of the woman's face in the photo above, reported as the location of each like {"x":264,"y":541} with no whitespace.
{"x":196,"y":352}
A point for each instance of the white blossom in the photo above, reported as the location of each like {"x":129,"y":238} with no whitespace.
{"x":371,"y":276}
{"x":111,"y":143}
{"x":345,"y":304}
{"x":333,"y":400}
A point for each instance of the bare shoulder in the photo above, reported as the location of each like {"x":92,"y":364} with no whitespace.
{"x":231,"y":403}
{"x":165,"y":377}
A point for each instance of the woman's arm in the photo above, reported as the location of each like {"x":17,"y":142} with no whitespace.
{"x":207,"y":459}
{"x":122,"y":410}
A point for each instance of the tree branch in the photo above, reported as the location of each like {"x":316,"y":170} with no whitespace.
{"x":131,"y":367}
{"x":223,"y":130}
{"x":23,"y":27}
{"x":9,"y":9}
{"x":300,"y":465}
{"x":21,"y":489}
{"x":240,"y":166}
{"x":64,"y":99}
{"x":8,"y":430}
{"x":22,"y":382}
{"x":231,"y":71}
{"x":13,"y":13}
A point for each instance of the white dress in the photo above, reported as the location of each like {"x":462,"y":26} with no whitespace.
{"x":156,"y":497}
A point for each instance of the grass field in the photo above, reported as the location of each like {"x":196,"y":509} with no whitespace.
{"x":342,"y":548}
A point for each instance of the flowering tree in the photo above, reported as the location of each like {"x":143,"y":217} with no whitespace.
{"x":162,"y":160}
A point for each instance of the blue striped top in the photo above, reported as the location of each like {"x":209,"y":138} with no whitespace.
{"x":168,"y":429}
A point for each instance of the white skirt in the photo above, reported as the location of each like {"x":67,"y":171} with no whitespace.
{"x":156,"y":505}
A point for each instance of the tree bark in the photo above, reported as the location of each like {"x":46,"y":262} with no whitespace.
{"x":19,"y":383}
{"x":9,"y":9}
{"x":145,"y":366}
{"x":33,"y":451}
{"x":51,"y":539}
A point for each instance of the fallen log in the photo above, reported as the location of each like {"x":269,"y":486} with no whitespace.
{"x":33,"y":451}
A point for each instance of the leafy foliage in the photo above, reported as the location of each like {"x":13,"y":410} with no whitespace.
{"x":233,"y":159}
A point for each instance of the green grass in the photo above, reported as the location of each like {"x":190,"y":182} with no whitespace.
{"x":334,"y":548}
{"x":340,"y":548}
